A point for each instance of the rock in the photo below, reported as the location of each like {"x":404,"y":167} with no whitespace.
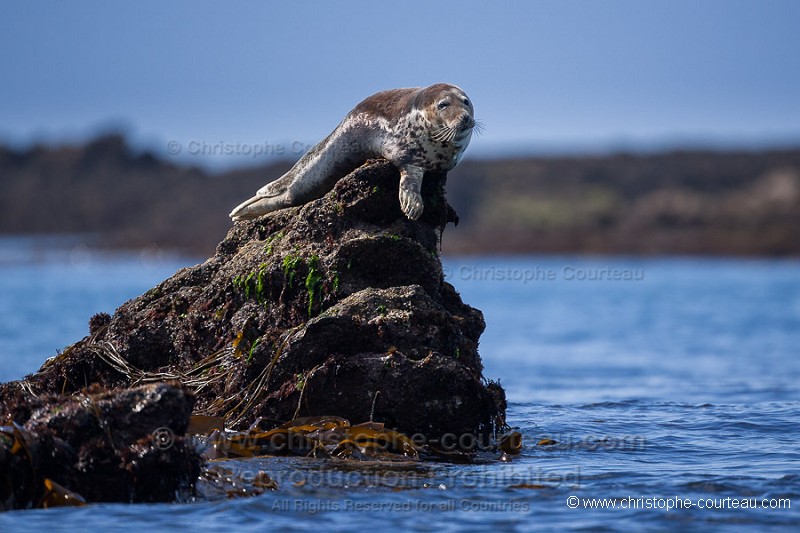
{"x":120,"y":446}
{"x":337,"y":307}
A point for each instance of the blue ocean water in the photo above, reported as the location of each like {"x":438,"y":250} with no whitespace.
{"x":671,"y":388}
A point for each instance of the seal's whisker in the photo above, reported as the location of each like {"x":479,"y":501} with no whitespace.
{"x":441,"y":134}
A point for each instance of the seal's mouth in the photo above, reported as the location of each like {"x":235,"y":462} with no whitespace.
{"x":457,"y":131}
{"x":466,"y":123}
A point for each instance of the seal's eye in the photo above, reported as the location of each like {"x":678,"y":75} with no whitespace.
{"x":443,"y":104}
{"x":466,"y":101}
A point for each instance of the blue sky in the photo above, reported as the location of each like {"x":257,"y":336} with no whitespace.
{"x":560,"y":75}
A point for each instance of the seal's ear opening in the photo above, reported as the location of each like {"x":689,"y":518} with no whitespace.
{"x":419,"y":101}
{"x":427,"y":95}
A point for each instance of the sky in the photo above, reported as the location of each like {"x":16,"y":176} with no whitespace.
{"x":193,"y":79}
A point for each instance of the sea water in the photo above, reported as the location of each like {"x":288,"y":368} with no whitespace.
{"x":670,"y":386}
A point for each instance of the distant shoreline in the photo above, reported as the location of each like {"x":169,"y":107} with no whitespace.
{"x":723,"y":203}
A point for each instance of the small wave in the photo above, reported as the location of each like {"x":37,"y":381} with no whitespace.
{"x":612,"y":405}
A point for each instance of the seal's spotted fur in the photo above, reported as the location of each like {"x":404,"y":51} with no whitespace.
{"x":417,"y":129}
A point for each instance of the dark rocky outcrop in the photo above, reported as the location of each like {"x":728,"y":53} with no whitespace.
{"x":337,"y":307}
{"x":123,"y":446}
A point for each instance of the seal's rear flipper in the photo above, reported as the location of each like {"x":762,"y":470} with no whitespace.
{"x":257,"y":206}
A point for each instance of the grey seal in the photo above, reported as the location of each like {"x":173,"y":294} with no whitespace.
{"x":418,"y":129}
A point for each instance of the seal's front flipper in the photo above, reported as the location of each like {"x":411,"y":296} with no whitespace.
{"x":410,"y":187}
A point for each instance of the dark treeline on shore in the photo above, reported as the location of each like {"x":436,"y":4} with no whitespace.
{"x":677,"y":202}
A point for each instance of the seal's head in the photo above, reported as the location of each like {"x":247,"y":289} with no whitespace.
{"x":449,"y":111}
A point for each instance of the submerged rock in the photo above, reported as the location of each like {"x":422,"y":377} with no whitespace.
{"x":337,"y":307}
